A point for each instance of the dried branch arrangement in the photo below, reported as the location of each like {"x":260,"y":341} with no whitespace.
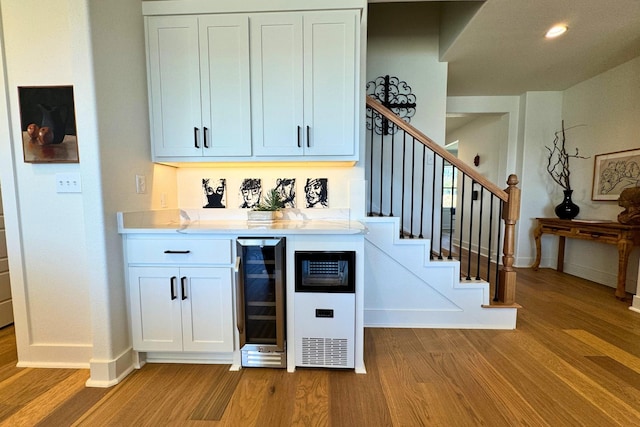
{"x":558,"y":159}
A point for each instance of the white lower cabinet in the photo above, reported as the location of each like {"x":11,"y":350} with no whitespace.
{"x":176,"y":309}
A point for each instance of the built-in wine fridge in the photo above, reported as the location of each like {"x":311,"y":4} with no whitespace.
{"x":260,"y":281}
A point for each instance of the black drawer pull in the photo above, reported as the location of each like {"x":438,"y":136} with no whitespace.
{"x":168,"y":251}
{"x":299,"y":137}
{"x":183,"y":285}
{"x":172,"y":285}
{"x":195,"y":137}
{"x":204,"y":132}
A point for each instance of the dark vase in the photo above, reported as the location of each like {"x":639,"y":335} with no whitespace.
{"x":567,"y":209}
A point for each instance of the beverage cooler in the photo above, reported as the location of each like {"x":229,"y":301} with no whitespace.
{"x":325,"y":309}
{"x":260,"y":281}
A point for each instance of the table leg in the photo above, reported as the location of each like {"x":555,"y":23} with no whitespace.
{"x":560,"y":264}
{"x":536,"y":237}
{"x":624,"y":249}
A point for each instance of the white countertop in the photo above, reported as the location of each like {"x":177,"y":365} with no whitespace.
{"x":234,"y":222}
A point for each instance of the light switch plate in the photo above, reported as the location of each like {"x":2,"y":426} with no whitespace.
{"x":68,"y":183}
{"x":141,"y":184}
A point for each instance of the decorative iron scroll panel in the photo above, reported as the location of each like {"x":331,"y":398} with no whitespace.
{"x":394,"y":94}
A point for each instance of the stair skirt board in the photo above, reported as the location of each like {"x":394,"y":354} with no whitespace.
{"x":405,"y":289}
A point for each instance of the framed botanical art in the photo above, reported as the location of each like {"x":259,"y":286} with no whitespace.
{"x":614,"y":172}
{"x":48,"y":124}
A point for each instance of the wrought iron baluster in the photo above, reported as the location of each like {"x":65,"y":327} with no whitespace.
{"x":381,"y":171}
{"x":373,"y":116}
{"x":480,"y":233}
{"x":464,"y":178}
{"x":393,"y":142}
{"x":454,"y":171}
{"x":490,"y":237}
{"x":404,"y":170}
{"x":433,"y":204}
{"x":442,"y":166}
{"x":424,"y":165}
{"x":498,"y":249}
{"x":473,"y":183}
{"x":413,"y":180}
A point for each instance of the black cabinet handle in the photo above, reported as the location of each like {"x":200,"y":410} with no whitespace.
{"x":308,"y":139}
{"x":195,"y":137}
{"x":173,"y":287}
{"x":299,"y":137}
{"x":168,"y":251}
{"x":183,"y":285}
{"x":204,"y":131}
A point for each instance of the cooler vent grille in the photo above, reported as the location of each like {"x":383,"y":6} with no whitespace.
{"x":324,"y":351}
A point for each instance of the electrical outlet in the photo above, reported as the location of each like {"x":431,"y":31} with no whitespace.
{"x":68,"y":183}
{"x":163,"y":200}
{"x":141,"y":184}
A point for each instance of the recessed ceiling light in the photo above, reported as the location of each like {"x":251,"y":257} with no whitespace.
{"x":556,"y":30}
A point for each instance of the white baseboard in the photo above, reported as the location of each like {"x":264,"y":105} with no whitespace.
{"x":107,"y":373}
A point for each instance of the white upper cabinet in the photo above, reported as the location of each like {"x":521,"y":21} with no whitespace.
{"x":303,"y":83}
{"x":199,"y":85}
{"x":254,"y":86}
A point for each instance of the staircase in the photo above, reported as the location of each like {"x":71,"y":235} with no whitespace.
{"x":425,"y":268}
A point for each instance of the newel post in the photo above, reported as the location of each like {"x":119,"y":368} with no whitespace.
{"x":510,"y":215}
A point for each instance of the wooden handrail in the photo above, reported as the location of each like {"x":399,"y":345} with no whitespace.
{"x":438,"y":149}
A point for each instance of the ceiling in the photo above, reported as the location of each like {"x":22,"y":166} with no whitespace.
{"x":502,"y":50}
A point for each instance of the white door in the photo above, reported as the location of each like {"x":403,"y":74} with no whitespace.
{"x":207,"y":316}
{"x":277,"y":84}
{"x":330,"y":82}
{"x":156,"y":322}
{"x":224,"y":70}
{"x":174,"y":81}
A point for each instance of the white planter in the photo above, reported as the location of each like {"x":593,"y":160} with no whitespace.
{"x":261,"y":217}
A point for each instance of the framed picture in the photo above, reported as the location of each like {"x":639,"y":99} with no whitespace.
{"x":48,"y":123}
{"x":613,"y":172}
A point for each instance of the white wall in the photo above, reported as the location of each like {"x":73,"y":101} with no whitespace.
{"x":50,"y":269}
{"x":403,"y":42}
{"x":65,"y":254}
{"x":117,"y":103}
{"x":487,"y":137}
{"x":541,"y":114}
{"x":609,"y":106}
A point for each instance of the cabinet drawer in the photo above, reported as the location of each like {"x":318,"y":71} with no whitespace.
{"x":179,"y":251}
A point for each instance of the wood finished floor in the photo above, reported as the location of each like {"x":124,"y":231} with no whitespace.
{"x":574,"y":360}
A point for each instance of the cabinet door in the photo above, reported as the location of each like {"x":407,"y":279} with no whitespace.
{"x":174,"y":84}
{"x":277,"y":84}
{"x":330,"y":82}
{"x":156,"y":323}
{"x":207,"y":317}
{"x":224,"y":70}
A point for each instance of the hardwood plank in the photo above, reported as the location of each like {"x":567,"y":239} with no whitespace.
{"x":357,"y":399}
{"x":27,"y":385}
{"x":217,"y":397}
{"x":248,"y":398}
{"x":46,"y":403}
{"x":311,"y":406}
{"x":574,"y":359}
{"x":280,"y":401}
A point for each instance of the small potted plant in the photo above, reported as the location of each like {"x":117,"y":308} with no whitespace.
{"x":265,"y":211}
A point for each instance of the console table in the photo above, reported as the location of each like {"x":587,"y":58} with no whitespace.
{"x":625,"y":237}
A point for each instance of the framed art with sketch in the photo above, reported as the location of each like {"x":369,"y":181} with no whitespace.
{"x":614,"y":172}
